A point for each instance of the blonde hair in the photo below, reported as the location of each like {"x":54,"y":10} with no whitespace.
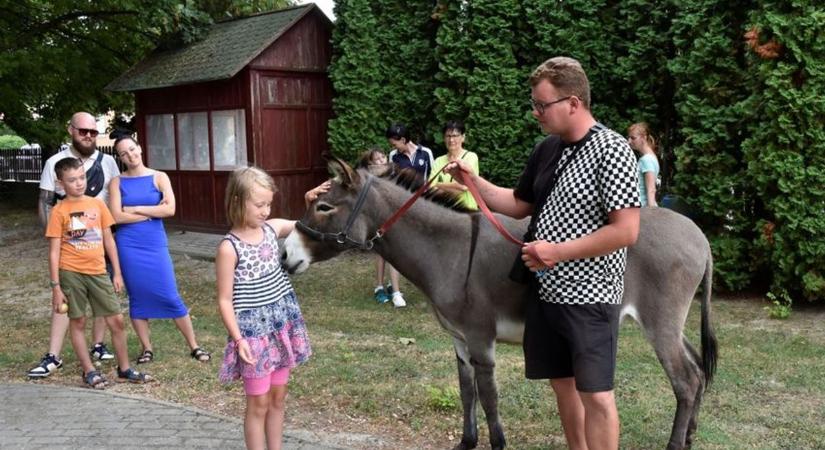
{"x":644,"y":129}
{"x":239,"y":188}
{"x":566,"y":75}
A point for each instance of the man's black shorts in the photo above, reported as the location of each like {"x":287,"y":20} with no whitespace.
{"x":580,"y":341}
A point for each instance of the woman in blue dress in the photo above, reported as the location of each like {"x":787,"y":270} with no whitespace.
{"x":139,"y":200}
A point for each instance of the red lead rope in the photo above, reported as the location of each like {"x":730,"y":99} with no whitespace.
{"x":471,"y":186}
{"x":382,"y":230}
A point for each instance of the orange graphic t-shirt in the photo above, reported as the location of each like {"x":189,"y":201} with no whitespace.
{"x":79,"y":224}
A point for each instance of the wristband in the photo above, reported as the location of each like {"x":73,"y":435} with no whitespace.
{"x":53,"y":284}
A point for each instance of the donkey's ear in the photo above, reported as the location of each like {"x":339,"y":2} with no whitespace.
{"x":343,"y":173}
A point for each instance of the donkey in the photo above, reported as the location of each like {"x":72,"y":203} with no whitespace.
{"x":461,"y":264}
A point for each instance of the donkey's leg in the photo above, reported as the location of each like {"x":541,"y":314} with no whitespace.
{"x":482,"y":351}
{"x":694,"y":418}
{"x":467,"y":386}
{"x":685,"y":378}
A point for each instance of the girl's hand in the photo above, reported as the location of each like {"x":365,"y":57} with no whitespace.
{"x":244,"y":352}
{"x":313,"y":193}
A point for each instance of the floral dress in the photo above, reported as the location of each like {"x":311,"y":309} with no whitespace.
{"x":266,"y":310}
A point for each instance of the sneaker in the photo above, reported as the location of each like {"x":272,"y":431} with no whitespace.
{"x":381,"y":295}
{"x":47,"y":366}
{"x":100,"y":353}
{"x":398,"y":300}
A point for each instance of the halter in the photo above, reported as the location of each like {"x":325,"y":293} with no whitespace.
{"x":342,"y":237}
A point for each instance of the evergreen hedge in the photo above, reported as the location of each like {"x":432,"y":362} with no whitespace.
{"x":710,"y":100}
{"x":733,"y":88}
{"x":784,"y":149}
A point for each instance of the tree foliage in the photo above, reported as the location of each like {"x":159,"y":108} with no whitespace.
{"x":356,"y":73}
{"x":382,"y":72}
{"x":734,"y":89}
{"x":56,"y":56}
{"x":11,"y":141}
{"x":784,"y":150}
{"x":711,"y":102}
{"x":498,"y":119}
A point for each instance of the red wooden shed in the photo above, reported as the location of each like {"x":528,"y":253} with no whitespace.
{"x":256,"y":91}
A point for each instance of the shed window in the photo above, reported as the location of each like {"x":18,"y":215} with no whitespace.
{"x":229,"y":139}
{"x":193,"y":140}
{"x":160,"y":144}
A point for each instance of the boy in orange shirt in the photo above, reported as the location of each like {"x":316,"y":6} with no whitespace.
{"x":78,"y":232}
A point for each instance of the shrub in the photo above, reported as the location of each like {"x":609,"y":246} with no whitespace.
{"x":785,"y":149}
{"x":11,"y":141}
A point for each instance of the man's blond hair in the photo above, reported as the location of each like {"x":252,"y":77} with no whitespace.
{"x":566,"y":75}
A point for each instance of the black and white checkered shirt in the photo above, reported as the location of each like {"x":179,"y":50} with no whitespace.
{"x":599,"y":179}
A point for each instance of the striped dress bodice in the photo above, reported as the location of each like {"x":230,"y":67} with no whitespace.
{"x":259,"y":278}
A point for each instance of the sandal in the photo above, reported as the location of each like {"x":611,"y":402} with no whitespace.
{"x":146,"y":357}
{"x":133,"y":376}
{"x":201,"y":355}
{"x":94,"y":380}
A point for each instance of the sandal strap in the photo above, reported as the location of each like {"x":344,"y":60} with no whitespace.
{"x":133,"y":375}
{"x":145,"y":357}
{"x":197,"y":352}
{"x":94,"y":378}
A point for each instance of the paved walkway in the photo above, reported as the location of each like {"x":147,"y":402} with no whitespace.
{"x":195,"y":245}
{"x":37,"y":416}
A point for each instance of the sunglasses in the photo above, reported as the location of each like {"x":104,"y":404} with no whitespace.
{"x":91,"y":132}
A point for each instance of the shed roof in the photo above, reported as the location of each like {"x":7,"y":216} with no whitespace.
{"x":227,"y":48}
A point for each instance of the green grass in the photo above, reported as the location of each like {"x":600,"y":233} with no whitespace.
{"x":769,"y":390}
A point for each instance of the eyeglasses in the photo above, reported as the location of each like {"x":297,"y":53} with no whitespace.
{"x":91,"y":132}
{"x":453,"y":136}
{"x":540,"y":107}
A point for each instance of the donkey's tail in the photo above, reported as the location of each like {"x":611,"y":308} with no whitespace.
{"x":709,"y":344}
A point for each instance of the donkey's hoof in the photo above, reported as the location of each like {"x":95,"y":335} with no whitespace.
{"x":465,"y":445}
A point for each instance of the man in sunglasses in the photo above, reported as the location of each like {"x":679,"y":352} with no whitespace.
{"x":100,"y":169}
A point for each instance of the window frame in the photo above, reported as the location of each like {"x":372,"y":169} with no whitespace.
{"x":240,"y":127}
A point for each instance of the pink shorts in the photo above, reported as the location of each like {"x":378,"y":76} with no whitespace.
{"x":260,"y":386}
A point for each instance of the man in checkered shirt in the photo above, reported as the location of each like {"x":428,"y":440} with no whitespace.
{"x":578,"y":252}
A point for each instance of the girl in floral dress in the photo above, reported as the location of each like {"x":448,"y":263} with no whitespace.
{"x":258,"y":306}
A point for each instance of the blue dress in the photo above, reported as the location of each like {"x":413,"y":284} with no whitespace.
{"x":144,"y":256}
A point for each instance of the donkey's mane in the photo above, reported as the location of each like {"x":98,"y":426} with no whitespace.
{"x":411,"y":180}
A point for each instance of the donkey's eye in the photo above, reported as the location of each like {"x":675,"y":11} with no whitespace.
{"x":323,"y":207}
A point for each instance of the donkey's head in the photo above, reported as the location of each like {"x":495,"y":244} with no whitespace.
{"x":323,"y":231}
